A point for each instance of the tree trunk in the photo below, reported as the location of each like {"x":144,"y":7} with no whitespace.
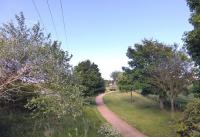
{"x":161,"y":103}
{"x":131,"y":97}
{"x":172,"y":107}
{"x":172,"y":104}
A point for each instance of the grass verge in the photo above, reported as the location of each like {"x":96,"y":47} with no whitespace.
{"x":20,"y":125}
{"x":143,"y":114}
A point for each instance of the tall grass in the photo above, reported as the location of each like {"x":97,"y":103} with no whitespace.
{"x":19,"y":124}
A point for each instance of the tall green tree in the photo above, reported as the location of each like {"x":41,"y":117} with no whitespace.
{"x":142,"y":59}
{"x":192,"y":38}
{"x":160,"y":69}
{"x":89,"y":77}
{"x":189,"y":125}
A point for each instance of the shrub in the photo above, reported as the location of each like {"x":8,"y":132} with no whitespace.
{"x":189,"y":125}
{"x":107,"y":131}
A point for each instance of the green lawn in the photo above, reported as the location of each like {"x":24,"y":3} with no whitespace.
{"x":143,"y":114}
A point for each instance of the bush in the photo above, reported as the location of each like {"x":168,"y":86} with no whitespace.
{"x":112,"y":88}
{"x":107,"y":131}
{"x":146,"y":91}
{"x":189,"y":125}
{"x":15,"y":98}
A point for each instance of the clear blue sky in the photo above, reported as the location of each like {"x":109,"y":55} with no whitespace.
{"x":102,"y":30}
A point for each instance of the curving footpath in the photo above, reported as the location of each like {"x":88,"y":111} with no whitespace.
{"x":125,"y":129}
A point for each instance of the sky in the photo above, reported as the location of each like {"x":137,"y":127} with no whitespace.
{"x":102,"y":30}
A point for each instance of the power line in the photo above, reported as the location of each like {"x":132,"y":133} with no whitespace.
{"x":52,"y":19}
{"x":39,"y":15}
{"x":63,"y":20}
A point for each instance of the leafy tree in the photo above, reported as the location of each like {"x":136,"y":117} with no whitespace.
{"x":125,"y":83}
{"x":172,"y":76}
{"x":28,"y":58}
{"x":28,"y":55}
{"x":159,"y":68}
{"x":115,"y":75}
{"x":189,"y":124}
{"x":192,"y":38}
{"x":88,"y":76}
{"x":142,"y":58}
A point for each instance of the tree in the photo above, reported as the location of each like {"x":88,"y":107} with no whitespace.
{"x":172,"y":76}
{"x":192,"y":38}
{"x":159,"y":67}
{"x":88,"y":75}
{"x":115,"y":75}
{"x":28,"y":57}
{"x":125,"y":83}
{"x":142,"y":58}
{"x":189,"y":124}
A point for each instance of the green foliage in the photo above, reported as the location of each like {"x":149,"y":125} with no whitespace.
{"x":160,"y":68}
{"x":147,"y":90}
{"x":124,"y":82}
{"x":189,"y":126}
{"x":16,"y":97}
{"x":147,"y":53}
{"x":88,"y":76}
{"x":35,"y":74}
{"x":21,"y":125}
{"x":142,"y":60}
{"x":115,"y":75}
{"x":196,"y":87}
{"x":192,"y":38}
{"x":107,"y":131}
{"x":106,"y":83}
{"x":66,"y":101}
{"x":28,"y":55}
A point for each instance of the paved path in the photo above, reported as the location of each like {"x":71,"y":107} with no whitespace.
{"x":125,"y":129}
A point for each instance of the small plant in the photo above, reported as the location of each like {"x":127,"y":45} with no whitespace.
{"x":107,"y":131}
